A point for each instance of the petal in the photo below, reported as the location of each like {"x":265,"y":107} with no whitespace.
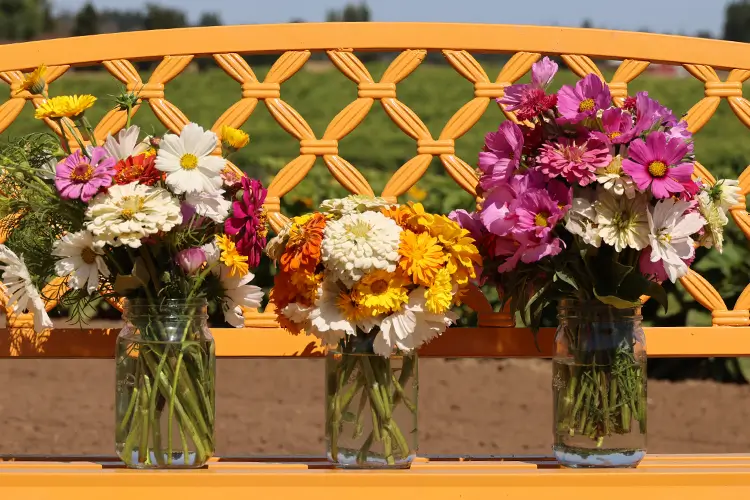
{"x":167,"y":162}
{"x":681,"y":173}
{"x":675,"y":151}
{"x":660,"y":187}
{"x":657,"y":143}
{"x":172,"y":144}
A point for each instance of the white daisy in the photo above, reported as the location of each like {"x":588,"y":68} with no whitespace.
{"x":238,"y":293}
{"x":188,"y":162}
{"x":81,"y":260}
{"x":580,"y":221}
{"x":126,"y":143}
{"x":411,"y":327}
{"x":359,"y":243}
{"x":670,"y":231}
{"x":127,"y":213}
{"x":622,"y":222}
{"x":327,"y":320}
{"x":353,"y":203}
{"x":210,"y":204}
{"x":715,"y":218}
{"x":615,"y":180}
{"x":22,"y":293}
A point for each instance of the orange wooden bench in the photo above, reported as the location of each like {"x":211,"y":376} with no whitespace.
{"x":659,"y":476}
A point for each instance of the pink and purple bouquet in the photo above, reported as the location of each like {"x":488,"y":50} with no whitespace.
{"x":586,"y":200}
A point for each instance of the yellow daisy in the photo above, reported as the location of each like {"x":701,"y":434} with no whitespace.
{"x":34,"y":81}
{"x":236,"y":263}
{"x":421,"y":256}
{"x":353,"y":311}
{"x":64,"y":106}
{"x":381,"y":292}
{"x":234,"y":138}
{"x":440,"y":295}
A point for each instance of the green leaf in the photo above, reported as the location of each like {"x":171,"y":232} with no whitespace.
{"x":564,"y":276}
{"x":744,"y":366}
{"x":349,"y":417}
{"x":615,"y":301}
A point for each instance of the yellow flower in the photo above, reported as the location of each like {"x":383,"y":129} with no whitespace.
{"x":459,"y":246}
{"x":236,"y":263}
{"x":353,"y":311}
{"x":421,"y":219}
{"x":34,"y":81}
{"x":421,"y":256}
{"x":149,"y":152}
{"x":64,"y":106}
{"x":381,"y":292}
{"x":234,"y":138}
{"x":417,"y":193}
{"x":440,"y":295}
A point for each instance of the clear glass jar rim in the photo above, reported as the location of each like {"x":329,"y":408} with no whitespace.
{"x":141,"y":308}
{"x":568,"y":308}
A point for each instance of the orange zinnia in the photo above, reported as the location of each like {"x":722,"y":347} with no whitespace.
{"x":401,"y":215}
{"x":303,"y":247}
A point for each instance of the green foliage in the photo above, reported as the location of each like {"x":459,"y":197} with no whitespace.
{"x":737,"y":21}
{"x":86,"y":21}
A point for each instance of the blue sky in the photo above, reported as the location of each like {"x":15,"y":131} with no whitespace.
{"x":676,"y":16}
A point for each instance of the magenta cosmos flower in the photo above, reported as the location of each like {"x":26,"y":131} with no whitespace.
{"x":530,"y":99}
{"x":537,"y":215}
{"x":80,"y":177}
{"x":589,"y":96}
{"x":575,"y":160}
{"x":618,"y":126}
{"x":502,"y":155}
{"x":248,"y":221}
{"x":657,"y":163}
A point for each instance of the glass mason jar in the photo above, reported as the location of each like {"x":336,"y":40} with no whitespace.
{"x":371,"y":410}
{"x":165,"y":385}
{"x":599,"y":386}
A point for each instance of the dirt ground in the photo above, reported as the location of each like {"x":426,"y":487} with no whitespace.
{"x":275,"y":407}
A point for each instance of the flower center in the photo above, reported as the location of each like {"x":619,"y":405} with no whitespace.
{"x":586,"y":105}
{"x":541,"y":219}
{"x":573,"y":153}
{"x":657,"y":168}
{"x":614,"y":135}
{"x":615,"y":167}
{"x":188,"y":161}
{"x":379,"y":286}
{"x":82,"y":173}
{"x":359,"y":229}
{"x":88,"y":256}
{"x":130,"y":206}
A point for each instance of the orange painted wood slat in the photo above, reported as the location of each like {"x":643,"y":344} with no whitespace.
{"x":376,"y":36}
{"x":482,"y":342}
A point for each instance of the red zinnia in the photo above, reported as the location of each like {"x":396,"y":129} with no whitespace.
{"x":138,"y":168}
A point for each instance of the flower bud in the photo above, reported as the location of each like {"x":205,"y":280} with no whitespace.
{"x":191,"y":260}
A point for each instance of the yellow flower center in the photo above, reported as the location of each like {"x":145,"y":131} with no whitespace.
{"x":541,"y":219}
{"x":614,"y":135}
{"x":359,"y":229}
{"x":88,"y":256}
{"x":657,"y":168}
{"x":379,"y":286}
{"x":82,"y":173}
{"x":586,"y":105}
{"x":130,"y":205}
{"x":189,"y":161}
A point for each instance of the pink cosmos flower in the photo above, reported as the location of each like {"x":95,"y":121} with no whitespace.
{"x":655,"y":271}
{"x":469,"y":221}
{"x":535,"y":250}
{"x":248,"y":221}
{"x":589,"y":96}
{"x":575,"y":160}
{"x":658,"y":164}
{"x":498,"y":210}
{"x":561,"y":193}
{"x":680,"y":131}
{"x":191,"y":259}
{"x":537,"y":214}
{"x":79,"y":177}
{"x":649,"y":114}
{"x":502,"y":155}
{"x":617,"y":125}
{"x":530,"y":100}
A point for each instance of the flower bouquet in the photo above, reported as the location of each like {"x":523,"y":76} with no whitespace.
{"x":593,"y":206}
{"x":378,"y":280}
{"x":160,"y":222}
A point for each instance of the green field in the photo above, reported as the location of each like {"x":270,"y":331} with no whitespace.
{"x":377,"y":147}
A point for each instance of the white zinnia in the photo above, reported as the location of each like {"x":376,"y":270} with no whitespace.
{"x":615,"y":180}
{"x":210,"y":204}
{"x":126,"y":143}
{"x":359,"y":243}
{"x":81,"y":260}
{"x":580,"y":221}
{"x":622,"y":222}
{"x":728,"y":193}
{"x":238,"y":293}
{"x":715,"y":218}
{"x":187,"y":160}
{"x":354,"y":203}
{"x":670,"y":235}
{"x":127,"y":213}
{"x":410,"y":327}
{"x":22,"y":293}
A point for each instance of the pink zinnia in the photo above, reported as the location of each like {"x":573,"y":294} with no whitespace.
{"x":248,"y":221}
{"x":80,"y":177}
{"x":589,"y":96}
{"x":658,"y":164}
{"x":530,"y":99}
{"x":502,"y":155}
{"x":575,"y":160}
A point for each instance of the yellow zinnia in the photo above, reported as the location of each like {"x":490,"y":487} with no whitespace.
{"x":421,"y":256}
{"x":440,"y":295}
{"x":64,"y":106}
{"x":236,"y":263}
{"x":353,"y":311}
{"x":234,"y":138}
{"x":381,"y":292}
{"x":460,"y":247}
{"x":34,"y":81}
